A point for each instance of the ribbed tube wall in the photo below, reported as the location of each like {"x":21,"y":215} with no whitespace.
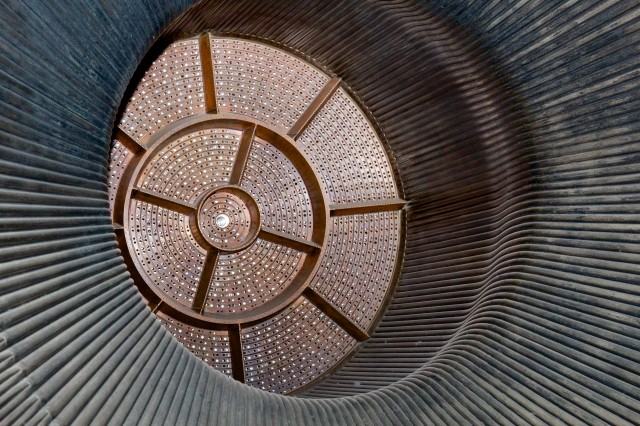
{"x":515,"y":129}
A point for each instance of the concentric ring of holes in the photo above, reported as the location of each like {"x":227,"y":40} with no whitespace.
{"x":234,"y":210}
{"x":238,"y":282}
{"x":279,"y":190}
{"x":360,"y":258}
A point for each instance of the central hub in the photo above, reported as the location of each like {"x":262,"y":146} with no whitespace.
{"x":228,"y":218}
{"x":222,"y":221}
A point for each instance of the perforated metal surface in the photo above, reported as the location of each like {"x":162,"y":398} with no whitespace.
{"x":262,"y":82}
{"x":361,"y":249}
{"x":256,"y":208}
{"x":171,"y":89}
{"x":158,"y":234}
{"x":351,"y":167}
{"x":292,"y":348}
{"x":279,"y":190}
{"x":247,"y":279}
{"x":192,"y":164}
{"x":211,"y":346}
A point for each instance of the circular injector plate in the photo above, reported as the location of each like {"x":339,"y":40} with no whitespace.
{"x":256,"y":208}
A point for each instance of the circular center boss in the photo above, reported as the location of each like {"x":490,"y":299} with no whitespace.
{"x":228,"y":218}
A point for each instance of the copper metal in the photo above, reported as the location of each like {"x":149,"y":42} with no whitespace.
{"x":268,"y":197}
{"x":171,"y":89}
{"x":241,"y":219}
{"x":237,"y":360}
{"x":128,"y":142}
{"x":309,"y":114}
{"x":335,"y":314}
{"x":206,"y":63}
{"x":284,"y":352}
{"x":212,"y":346}
{"x":196,"y":240}
{"x":242,"y":156}
{"x":366,"y":207}
{"x":264,"y":83}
